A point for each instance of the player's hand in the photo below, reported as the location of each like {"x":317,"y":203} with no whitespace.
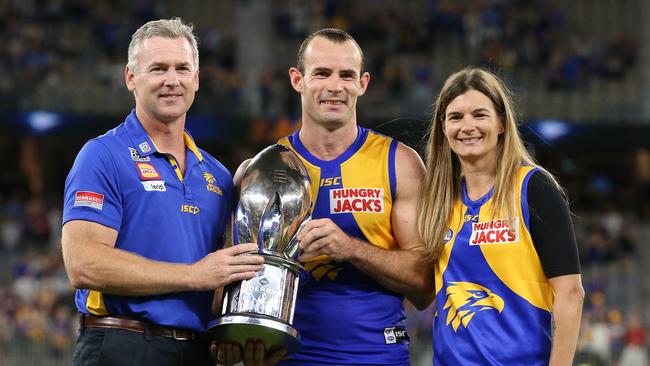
{"x":225,"y":353}
{"x":253,"y":354}
{"x":225,"y":266}
{"x":323,"y":237}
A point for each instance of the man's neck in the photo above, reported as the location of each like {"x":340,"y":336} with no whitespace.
{"x":327,"y":144}
{"x":167,"y":136}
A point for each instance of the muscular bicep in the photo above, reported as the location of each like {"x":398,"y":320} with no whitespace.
{"x":409,"y":173}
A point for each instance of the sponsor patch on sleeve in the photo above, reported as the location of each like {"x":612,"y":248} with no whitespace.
{"x":147,"y":171}
{"x":89,"y":199}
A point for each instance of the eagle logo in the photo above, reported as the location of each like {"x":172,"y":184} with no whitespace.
{"x":319,"y":269}
{"x":465,"y":299}
{"x":211,"y":186}
{"x":209,"y":178}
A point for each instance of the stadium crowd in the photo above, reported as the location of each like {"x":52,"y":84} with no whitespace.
{"x":58,"y":53}
{"x":57,"y":45}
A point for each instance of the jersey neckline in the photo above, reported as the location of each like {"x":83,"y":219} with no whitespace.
{"x":294,"y":139}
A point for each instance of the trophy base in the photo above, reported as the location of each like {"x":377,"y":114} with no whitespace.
{"x":239,"y":329}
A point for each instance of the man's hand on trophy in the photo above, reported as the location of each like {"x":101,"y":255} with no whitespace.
{"x":253,"y":354}
{"x":323,"y":237}
{"x":225,"y":266}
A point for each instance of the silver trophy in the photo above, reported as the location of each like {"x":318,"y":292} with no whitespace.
{"x":274,"y":204}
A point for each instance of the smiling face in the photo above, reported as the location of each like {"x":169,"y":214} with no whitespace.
{"x":331,"y":82}
{"x":472,"y":127}
{"x":165,"y":79}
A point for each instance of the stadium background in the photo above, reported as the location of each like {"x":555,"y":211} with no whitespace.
{"x":580,"y":72}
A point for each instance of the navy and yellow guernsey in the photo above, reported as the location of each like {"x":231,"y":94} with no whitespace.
{"x":122,"y":181}
{"x":493,"y":301}
{"x":344,"y":317}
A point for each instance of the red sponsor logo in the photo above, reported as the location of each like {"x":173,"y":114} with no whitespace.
{"x":350,"y":200}
{"x":89,"y":199}
{"x":147,"y":171}
{"x":494,"y":232}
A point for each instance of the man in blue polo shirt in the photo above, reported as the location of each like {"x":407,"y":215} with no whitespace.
{"x":144,"y":218}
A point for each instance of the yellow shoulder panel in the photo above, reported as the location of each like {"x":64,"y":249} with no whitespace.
{"x":368,"y":168}
{"x":518,"y":264}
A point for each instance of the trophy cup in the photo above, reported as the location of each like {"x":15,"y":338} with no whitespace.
{"x":274,"y":204}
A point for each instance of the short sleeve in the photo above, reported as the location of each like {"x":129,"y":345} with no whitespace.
{"x":551,"y":227}
{"x":92,"y":188}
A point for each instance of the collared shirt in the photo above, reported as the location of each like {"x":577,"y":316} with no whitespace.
{"x":122,"y":181}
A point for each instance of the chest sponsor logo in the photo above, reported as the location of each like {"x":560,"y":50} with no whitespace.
{"x":89,"y":199}
{"x":135,"y":156}
{"x":147,"y":171}
{"x":335,"y":181}
{"x":154,"y":185}
{"x":190,"y":209}
{"x":466,"y":299}
{"x":212,"y":186}
{"x":144,"y":147}
{"x":494,"y":232}
{"x":469,"y":217}
{"x":351,"y":200}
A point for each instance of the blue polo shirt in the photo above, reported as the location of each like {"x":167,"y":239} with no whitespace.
{"x":122,"y":181}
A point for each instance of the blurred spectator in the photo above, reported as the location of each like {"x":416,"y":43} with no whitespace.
{"x":635,"y":352}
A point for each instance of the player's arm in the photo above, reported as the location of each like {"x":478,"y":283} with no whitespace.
{"x":567,"y":310}
{"x":552,"y":231}
{"x":92,"y":262}
{"x":404,"y":270}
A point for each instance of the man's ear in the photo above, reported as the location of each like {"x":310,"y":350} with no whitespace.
{"x":295,"y":76}
{"x":363,"y":82}
{"x":128,"y":78}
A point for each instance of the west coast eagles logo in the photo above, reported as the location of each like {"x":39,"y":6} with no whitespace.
{"x":211,"y":186}
{"x":319,"y":268}
{"x":465,"y":299}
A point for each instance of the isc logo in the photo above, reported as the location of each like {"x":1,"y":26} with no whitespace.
{"x":324,"y":182}
{"x":190,"y":209}
{"x":393,"y":335}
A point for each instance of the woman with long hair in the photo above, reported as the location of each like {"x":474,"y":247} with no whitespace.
{"x":498,"y":226}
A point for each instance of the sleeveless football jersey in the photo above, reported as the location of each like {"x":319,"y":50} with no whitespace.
{"x":343,"y":316}
{"x":493,"y":301}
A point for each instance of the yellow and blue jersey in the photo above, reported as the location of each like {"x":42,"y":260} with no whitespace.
{"x":493,"y":300}
{"x":344,"y":317}
{"x":122,"y":181}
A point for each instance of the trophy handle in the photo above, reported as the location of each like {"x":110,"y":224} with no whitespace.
{"x":271,"y":224}
{"x":293,"y":247}
{"x":242,"y":225}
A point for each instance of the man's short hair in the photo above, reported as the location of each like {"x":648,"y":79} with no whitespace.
{"x":331,"y":34}
{"x":166,"y":28}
